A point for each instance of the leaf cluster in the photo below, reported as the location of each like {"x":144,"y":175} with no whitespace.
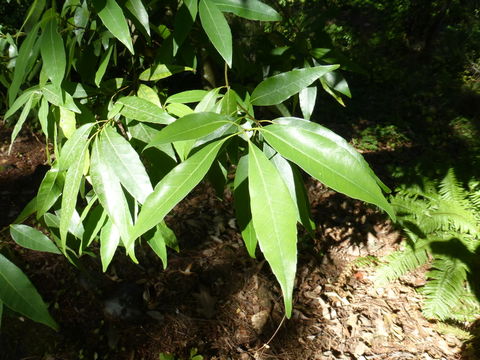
{"x":126,"y":150}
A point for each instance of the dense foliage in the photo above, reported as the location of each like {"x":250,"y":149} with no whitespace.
{"x":133,"y":130}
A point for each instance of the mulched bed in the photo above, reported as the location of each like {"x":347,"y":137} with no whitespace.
{"x":214,"y":298}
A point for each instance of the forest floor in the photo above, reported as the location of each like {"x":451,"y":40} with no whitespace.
{"x":213,"y":299}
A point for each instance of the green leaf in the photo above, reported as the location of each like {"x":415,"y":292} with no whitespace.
{"x":61,"y":99}
{"x":137,"y":9}
{"x":125,"y":164}
{"x":21,"y":121}
{"x":27,"y":211}
{"x":192,"y":126}
{"x":53,"y":52}
{"x":249,"y":9}
{"x":186,"y":97}
{"x":229,"y":103}
{"x":143,"y":110}
{"x":327,"y":157}
{"x":179,"y":110}
{"x":103,"y":66}
{"x":43,"y":116}
{"x":109,"y":191}
{"x":294,"y":182}
{"x":308,"y":97}
{"x":147,"y":93}
{"x":158,"y":244}
{"x":217,"y":29}
{"x":243,"y":211}
{"x":18,"y":293}
{"x":48,"y":192}
{"x":74,"y":146}
{"x":20,"y":101}
{"x":174,"y":187}
{"x":162,"y":71}
{"x":109,"y":240}
{"x":274,"y":217}
{"x":278,"y":88}
{"x":336,"y":82}
{"x":70,"y":193}
{"x":68,"y":122}
{"x":184,"y":20}
{"x":114,"y":20}
{"x":28,"y":52}
{"x":33,"y":239}
{"x":93,"y":224}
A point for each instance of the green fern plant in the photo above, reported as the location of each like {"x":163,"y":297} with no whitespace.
{"x":441,"y":221}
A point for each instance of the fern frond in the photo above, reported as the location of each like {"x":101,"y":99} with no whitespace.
{"x":401,"y":262}
{"x":444,"y":289}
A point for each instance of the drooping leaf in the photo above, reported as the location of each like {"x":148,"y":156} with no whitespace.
{"x":229,"y":103}
{"x":249,"y":9}
{"x":53,"y":52}
{"x":243,"y":212}
{"x":217,"y":29}
{"x":33,"y":239}
{"x":73,"y":146}
{"x":137,"y":9}
{"x":20,"y":101}
{"x":179,"y":110}
{"x":308,"y":97}
{"x":70,"y":193}
{"x":125,"y":164}
{"x":158,"y":244}
{"x":274,"y":218}
{"x":326,"y":157}
{"x":147,"y":93}
{"x":103,"y":66}
{"x":109,"y":191}
{"x":190,"y":127}
{"x":184,"y":20}
{"x":18,"y":293}
{"x":143,"y":110}
{"x":48,"y":192}
{"x":21,"y":120}
{"x":61,"y":99}
{"x":162,"y":71}
{"x":28,"y":52}
{"x":109,"y":240}
{"x":174,"y":187}
{"x":114,"y":20}
{"x":279,"y":88}
{"x":68,"y":122}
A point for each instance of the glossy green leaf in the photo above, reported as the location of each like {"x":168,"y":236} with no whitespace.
{"x":184,"y":20}
{"x":70,"y":192}
{"x":68,"y":122}
{"x":49,"y":191}
{"x":229,"y":103}
{"x":186,"y":97}
{"x":337,"y":82}
{"x":18,"y":293}
{"x":109,"y":240}
{"x":114,"y":20}
{"x":327,"y":157}
{"x":80,"y":20}
{"x":174,"y":187}
{"x":62,"y":99}
{"x":27,"y":53}
{"x":43,"y":116}
{"x":33,"y":239}
{"x":279,"y":88}
{"x":52,"y":51}
{"x":20,"y":101}
{"x":158,"y":244}
{"x":243,"y":212}
{"x":209,"y":101}
{"x":143,"y":110}
{"x":190,"y":127}
{"x":274,"y":217}
{"x":294,"y":182}
{"x":179,"y":110}
{"x":93,"y":224}
{"x":125,"y":164}
{"x":109,"y":191}
{"x":26,"y":212}
{"x":217,"y":29}
{"x":145,"y":133}
{"x":162,"y":71}
{"x":249,"y":9}
{"x":147,"y":93}
{"x":308,"y":98}
{"x":137,"y":9}
{"x":21,"y":120}
{"x":73,"y":146}
{"x":102,"y":68}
